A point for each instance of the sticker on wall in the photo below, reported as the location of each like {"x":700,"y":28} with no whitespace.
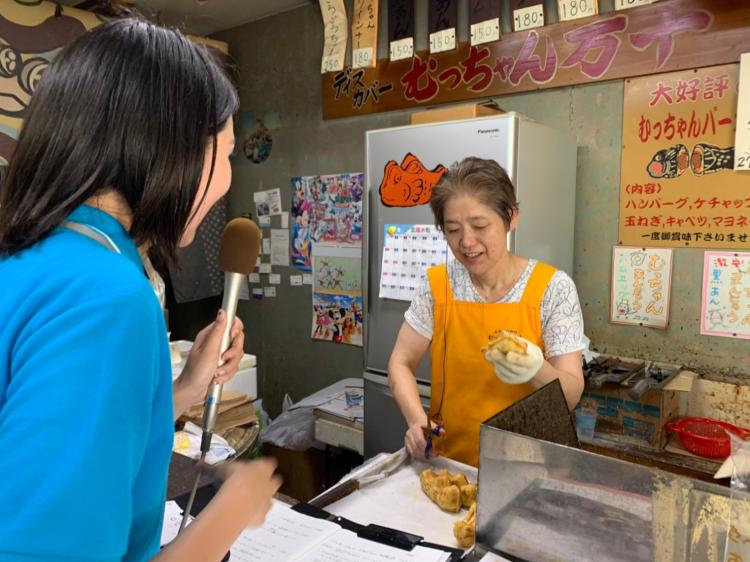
{"x":410,"y":183}
{"x":641,"y":286}
{"x":256,"y":134}
{"x":725,"y":306}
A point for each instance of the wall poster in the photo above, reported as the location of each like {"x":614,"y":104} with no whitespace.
{"x":725,"y":307}
{"x":677,"y":183}
{"x":325,"y":210}
{"x":641,"y":286}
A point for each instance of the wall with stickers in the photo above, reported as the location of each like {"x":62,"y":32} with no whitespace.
{"x":287,"y":79}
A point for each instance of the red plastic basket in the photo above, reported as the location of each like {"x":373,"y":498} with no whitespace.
{"x":706,"y":437}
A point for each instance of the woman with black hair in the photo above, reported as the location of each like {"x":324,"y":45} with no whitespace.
{"x":124,"y":149}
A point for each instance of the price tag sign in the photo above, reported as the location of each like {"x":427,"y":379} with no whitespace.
{"x":402,"y":49}
{"x":574,"y":9}
{"x":485,"y":31}
{"x":362,"y":57}
{"x":331,"y":64}
{"x":528,"y":18}
{"x":444,"y":40}
{"x":625,"y":4}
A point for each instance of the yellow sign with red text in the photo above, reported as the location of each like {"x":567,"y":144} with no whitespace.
{"x":677,"y":183}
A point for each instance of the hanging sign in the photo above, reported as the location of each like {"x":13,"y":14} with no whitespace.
{"x":335,"y":35}
{"x":677,"y":183}
{"x":364,"y":33}
{"x":665,"y":36}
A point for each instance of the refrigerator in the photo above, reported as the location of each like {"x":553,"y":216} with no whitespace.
{"x":541,"y":163}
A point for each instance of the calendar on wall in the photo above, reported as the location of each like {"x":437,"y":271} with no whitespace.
{"x":408,"y":251}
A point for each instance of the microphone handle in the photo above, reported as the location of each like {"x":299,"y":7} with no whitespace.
{"x":232,"y":284}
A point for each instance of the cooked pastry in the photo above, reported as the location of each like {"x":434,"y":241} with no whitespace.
{"x":468,"y":494}
{"x":445,"y":488}
{"x":504,"y":342}
{"x":465,"y":528}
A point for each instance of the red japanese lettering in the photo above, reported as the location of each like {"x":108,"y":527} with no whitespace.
{"x":663,"y":33}
{"x":598,"y":35}
{"x":529,"y":63}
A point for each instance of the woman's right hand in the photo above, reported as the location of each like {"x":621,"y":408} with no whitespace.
{"x":252,"y":484}
{"x":416,"y":442}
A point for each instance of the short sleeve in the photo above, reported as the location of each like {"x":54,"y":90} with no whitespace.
{"x":420,"y":314}
{"x":75,"y":428}
{"x":562,"y":321}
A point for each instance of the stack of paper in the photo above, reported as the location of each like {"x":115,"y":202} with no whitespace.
{"x":289,"y":536}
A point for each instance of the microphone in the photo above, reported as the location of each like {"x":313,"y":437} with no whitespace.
{"x":240,"y":245}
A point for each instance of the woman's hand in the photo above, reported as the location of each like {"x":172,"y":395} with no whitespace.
{"x":415,"y":440}
{"x":202,"y":365}
{"x":516,"y":368}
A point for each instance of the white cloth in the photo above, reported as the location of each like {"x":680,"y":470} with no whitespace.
{"x":562,"y":321}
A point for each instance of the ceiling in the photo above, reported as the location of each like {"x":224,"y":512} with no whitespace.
{"x":203,"y":17}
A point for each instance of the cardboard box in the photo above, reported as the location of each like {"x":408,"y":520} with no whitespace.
{"x":455,"y":112}
{"x":640,"y":420}
{"x":303,"y":471}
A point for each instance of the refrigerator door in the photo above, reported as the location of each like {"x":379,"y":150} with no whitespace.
{"x":432,"y":144}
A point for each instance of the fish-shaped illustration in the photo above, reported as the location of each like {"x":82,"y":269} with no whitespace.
{"x":669,"y":162}
{"x":410,"y":183}
{"x":708,"y":159}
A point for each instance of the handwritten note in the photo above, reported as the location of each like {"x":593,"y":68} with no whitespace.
{"x":725,"y":308}
{"x":573,"y":9}
{"x":364,"y":33}
{"x":742,"y":133}
{"x":625,"y":4}
{"x":335,"y":35}
{"x":641,"y":285}
{"x":529,"y":17}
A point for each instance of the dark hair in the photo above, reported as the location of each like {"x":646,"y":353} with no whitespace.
{"x":481,"y":178}
{"x":129,"y":106}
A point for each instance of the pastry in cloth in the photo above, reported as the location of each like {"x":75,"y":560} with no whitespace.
{"x":516,"y":360}
{"x":445,"y":488}
{"x":464,"y":529}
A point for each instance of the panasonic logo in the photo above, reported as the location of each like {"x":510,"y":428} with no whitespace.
{"x":487,"y":131}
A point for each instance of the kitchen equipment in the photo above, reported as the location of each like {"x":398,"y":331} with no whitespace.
{"x":706,"y":437}
{"x":654,"y":376}
{"x":543,"y":501}
{"x":540,"y":161}
{"x":602,"y":370}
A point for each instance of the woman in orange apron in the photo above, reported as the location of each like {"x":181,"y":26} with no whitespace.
{"x":464,"y":303}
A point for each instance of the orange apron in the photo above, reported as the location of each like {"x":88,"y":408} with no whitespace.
{"x":465,"y":389}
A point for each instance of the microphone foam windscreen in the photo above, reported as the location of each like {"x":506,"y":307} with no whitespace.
{"x":240,"y":246}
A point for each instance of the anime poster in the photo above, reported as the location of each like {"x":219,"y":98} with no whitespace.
{"x":325,"y":210}
{"x":337,"y":296}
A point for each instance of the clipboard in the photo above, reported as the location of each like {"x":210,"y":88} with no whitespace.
{"x":377,"y":533}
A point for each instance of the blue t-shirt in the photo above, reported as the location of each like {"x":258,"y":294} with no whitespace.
{"x":86,"y":424}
